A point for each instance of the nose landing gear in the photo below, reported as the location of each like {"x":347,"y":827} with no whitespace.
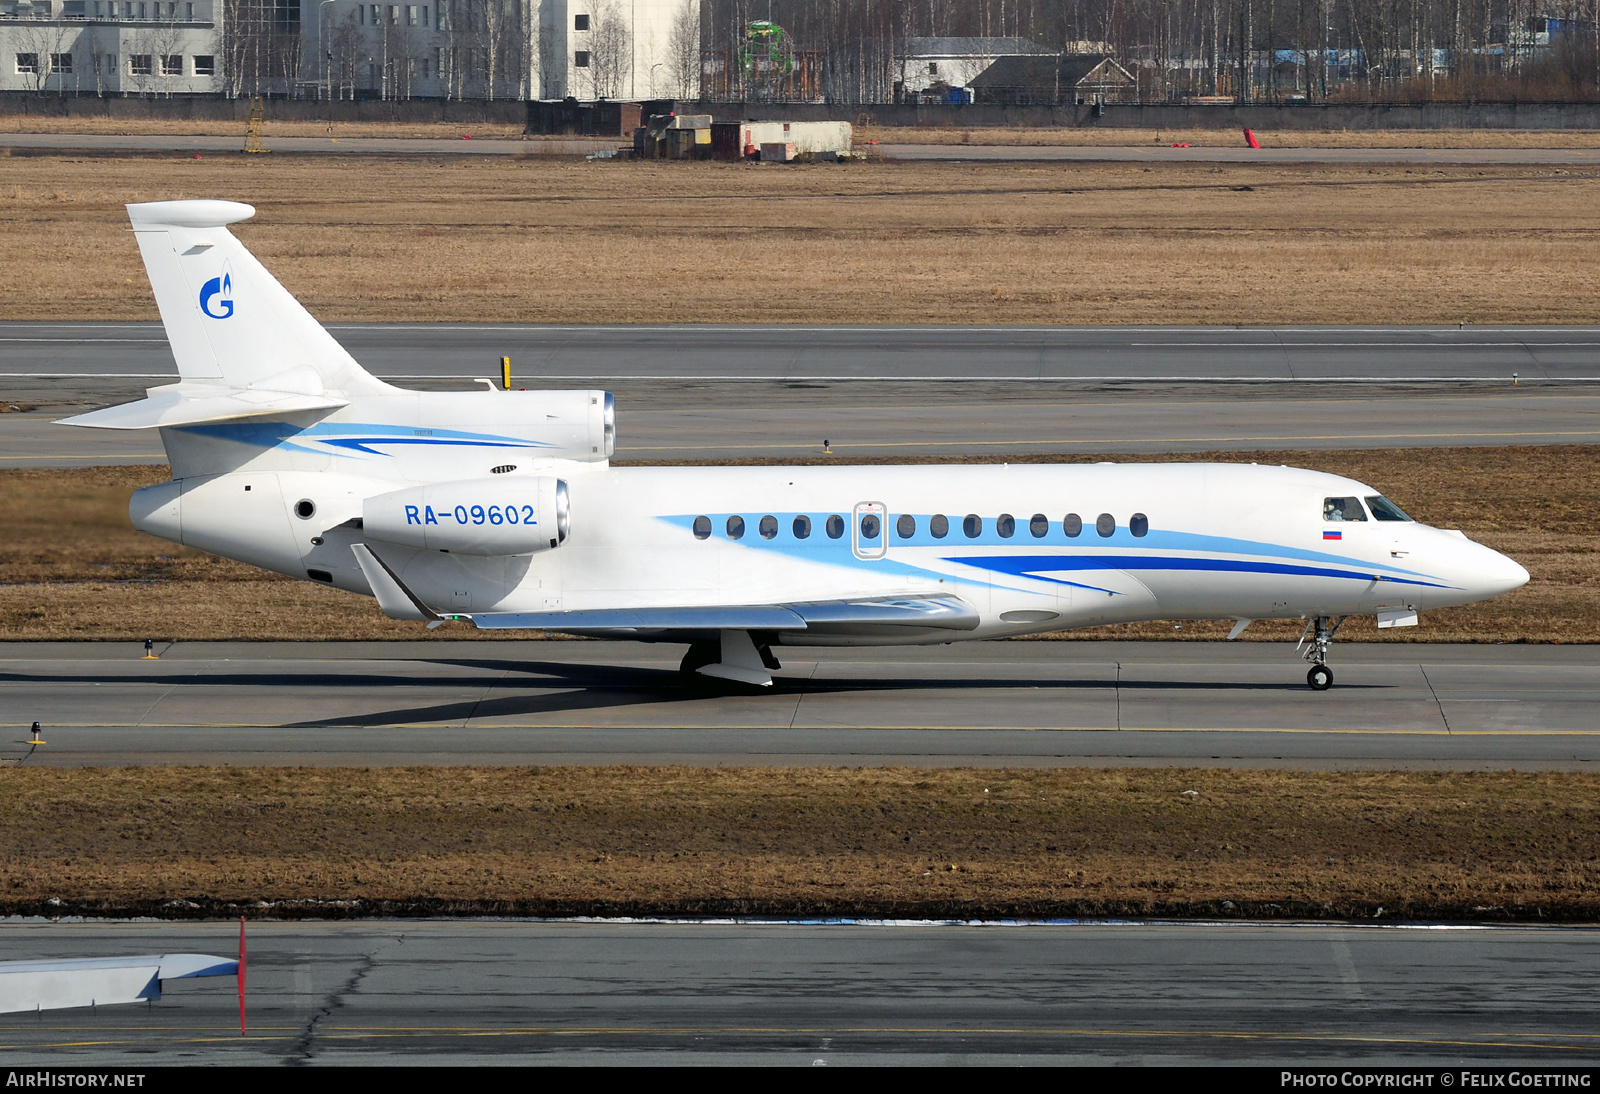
{"x":1320,"y":678}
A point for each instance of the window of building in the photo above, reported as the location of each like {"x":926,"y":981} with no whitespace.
{"x":377,"y":15}
{"x":938,"y":526}
{"x":1105,"y":524}
{"x":139,"y":64}
{"x":1139,"y":525}
{"x":972,"y":526}
{"x":1384,"y":509}
{"x":933,"y":68}
{"x":188,"y":12}
{"x":702,"y":527}
{"x":735,"y":527}
{"x":172,"y":64}
{"x":802,"y":527}
{"x":1005,"y":525}
{"x":424,"y":68}
{"x":142,"y":10}
{"x":424,"y":15}
{"x":834,"y":526}
{"x":580,"y":22}
{"x":27,"y":64}
{"x":768,"y":527}
{"x":580,"y":59}
{"x":205,"y":64}
{"x":394,"y":15}
{"x":1342,"y":509}
{"x":99,"y":8}
{"x":411,"y":15}
{"x":1038,"y":525}
{"x":61,"y":64}
{"x":1072,"y":525}
{"x":906,"y":526}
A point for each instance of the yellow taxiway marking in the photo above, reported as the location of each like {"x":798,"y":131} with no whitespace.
{"x":352,"y":1033}
{"x":322,"y":725}
{"x":1299,"y":438}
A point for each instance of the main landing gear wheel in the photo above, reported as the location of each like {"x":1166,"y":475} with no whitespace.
{"x":1320,"y":678}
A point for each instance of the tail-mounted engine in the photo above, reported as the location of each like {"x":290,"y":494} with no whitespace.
{"x":498,"y":516}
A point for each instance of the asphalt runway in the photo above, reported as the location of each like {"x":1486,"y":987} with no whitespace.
{"x":889,"y":150}
{"x":997,"y":704}
{"x":442,"y":992}
{"x":687,"y":393}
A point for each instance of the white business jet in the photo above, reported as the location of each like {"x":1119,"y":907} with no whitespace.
{"x":501,"y":509}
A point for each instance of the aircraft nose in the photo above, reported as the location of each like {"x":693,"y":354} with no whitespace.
{"x":1498,"y":574}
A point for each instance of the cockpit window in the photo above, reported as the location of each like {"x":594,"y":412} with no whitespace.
{"x":1343,"y":509}
{"x":1384,"y":509}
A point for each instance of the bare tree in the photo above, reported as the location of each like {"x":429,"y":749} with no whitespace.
{"x":683,"y":51}
{"x":610,"y":50}
{"x":46,"y":41}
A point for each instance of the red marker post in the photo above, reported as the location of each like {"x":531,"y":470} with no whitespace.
{"x":241,"y":976}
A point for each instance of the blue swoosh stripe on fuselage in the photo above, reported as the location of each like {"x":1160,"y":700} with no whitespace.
{"x":351,"y":436}
{"x":1031,"y":565}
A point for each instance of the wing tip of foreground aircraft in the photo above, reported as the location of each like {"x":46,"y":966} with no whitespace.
{"x":286,"y":454}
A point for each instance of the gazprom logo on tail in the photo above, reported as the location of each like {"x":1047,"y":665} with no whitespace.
{"x":216,"y":296}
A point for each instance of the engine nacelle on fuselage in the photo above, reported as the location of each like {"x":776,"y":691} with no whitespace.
{"x":514,"y":515}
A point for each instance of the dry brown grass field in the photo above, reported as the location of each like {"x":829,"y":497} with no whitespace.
{"x":896,"y":842}
{"x":533,"y":240}
{"x":71,"y":566}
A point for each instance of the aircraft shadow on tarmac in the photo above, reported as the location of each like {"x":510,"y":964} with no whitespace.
{"x":555,"y":687}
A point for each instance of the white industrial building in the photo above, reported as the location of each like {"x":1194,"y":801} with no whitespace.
{"x":110,"y":47}
{"x":468,"y":49}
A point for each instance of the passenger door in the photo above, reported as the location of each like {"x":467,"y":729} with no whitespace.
{"x":868,"y":534}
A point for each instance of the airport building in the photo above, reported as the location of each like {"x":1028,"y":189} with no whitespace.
{"x":111,"y":47}
{"x":341,"y":49}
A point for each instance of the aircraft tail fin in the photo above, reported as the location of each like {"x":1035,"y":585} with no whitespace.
{"x":228,"y":320}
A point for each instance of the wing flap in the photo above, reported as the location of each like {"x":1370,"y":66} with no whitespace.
{"x":946,"y":613}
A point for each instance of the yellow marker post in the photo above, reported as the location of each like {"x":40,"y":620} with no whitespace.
{"x":36,"y":738}
{"x":505,"y":373}
{"x":150,"y":650}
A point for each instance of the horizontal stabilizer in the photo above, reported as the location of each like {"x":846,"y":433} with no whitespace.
{"x":945,"y":613}
{"x":99,"y":981}
{"x":191,"y":404}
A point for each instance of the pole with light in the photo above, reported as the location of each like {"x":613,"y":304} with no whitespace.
{"x":327,"y":57}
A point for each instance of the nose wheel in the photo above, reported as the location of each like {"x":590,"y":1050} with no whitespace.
{"x":1320,"y":636}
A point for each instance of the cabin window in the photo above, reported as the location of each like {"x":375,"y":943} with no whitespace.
{"x":906,"y":526}
{"x":870,"y":527}
{"x":735,"y":527}
{"x":1105,"y":524}
{"x":1342,"y":509}
{"x":702,"y":527}
{"x":1384,"y":509}
{"x":938,"y":526}
{"x":1072,"y":525}
{"x":802,"y":527}
{"x":1006,"y":525}
{"x":1139,"y":525}
{"x":972,"y":526}
{"x":768,"y":527}
{"x":834,"y":526}
{"x":1038,"y":525}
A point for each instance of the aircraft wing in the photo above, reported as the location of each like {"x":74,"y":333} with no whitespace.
{"x":869,"y":616}
{"x":864,"y":616}
{"x":87,"y":981}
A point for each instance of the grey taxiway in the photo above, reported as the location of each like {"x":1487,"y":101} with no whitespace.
{"x":1030,"y":704}
{"x":811,"y":994}
{"x":714,"y":393}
